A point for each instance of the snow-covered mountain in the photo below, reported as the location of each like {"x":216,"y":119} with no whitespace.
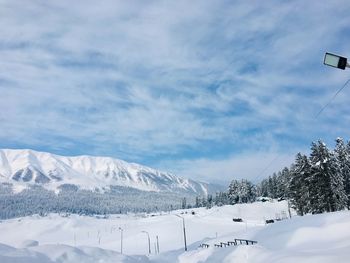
{"x":26,"y":167}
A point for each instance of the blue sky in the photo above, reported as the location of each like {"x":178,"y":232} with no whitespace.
{"x":211,"y":90}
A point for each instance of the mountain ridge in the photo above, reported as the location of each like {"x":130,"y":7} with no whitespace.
{"x":24,"y":167}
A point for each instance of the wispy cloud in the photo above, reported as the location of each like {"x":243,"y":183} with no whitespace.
{"x":252,"y":166}
{"x":191,"y":82}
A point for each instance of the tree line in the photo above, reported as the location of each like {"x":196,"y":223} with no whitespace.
{"x":72,"y":200}
{"x":313,"y":184}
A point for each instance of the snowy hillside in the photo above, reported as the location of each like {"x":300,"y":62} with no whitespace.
{"x":28,"y":167}
{"x":312,"y":238}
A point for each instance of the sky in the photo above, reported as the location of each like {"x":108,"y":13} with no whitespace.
{"x":210,"y":90}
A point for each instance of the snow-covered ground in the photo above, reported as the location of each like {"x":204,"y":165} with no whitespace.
{"x":313,"y":238}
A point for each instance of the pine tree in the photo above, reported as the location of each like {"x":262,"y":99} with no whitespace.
{"x":198,"y":202}
{"x":343,"y":160}
{"x":184,"y":203}
{"x":347,"y":177}
{"x":209,"y":201}
{"x":263,"y":188}
{"x":342,"y":153}
{"x":272,"y":186}
{"x":242,"y":191}
{"x":222,"y":198}
{"x":284,"y":183}
{"x":233,"y":190}
{"x":326,"y":180}
{"x":299,"y":184}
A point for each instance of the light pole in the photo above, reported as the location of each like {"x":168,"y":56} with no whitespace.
{"x":157,"y":244}
{"x":149,"y":242}
{"x":121,"y":240}
{"x":184,"y":228}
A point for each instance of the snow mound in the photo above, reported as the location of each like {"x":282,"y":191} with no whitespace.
{"x":64,"y":254}
{"x":30,"y":243}
{"x":311,"y":239}
{"x":10,"y":255}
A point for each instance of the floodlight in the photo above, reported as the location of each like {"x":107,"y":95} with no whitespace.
{"x":335,"y":61}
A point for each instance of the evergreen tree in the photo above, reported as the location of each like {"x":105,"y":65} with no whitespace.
{"x":221,"y":199}
{"x":209,"y":201}
{"x":184,"y":203}
{"x":241,"y":191}
{"x":326,"y":180}
{"x":233,"y":191}
{"x":342,"y":153}
{"x":217,"y":200}
{"x":299,"y":184}
{"x":263,"y":189}
{"x":272,"y":186}
{"x":284,"y":183}
{"x":198,"y":202}
{"x":347,"y":178}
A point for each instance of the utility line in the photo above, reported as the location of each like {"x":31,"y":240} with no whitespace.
{"x":330,"y":101}
{"x":316,"y":116}
{"x":225,"y":69}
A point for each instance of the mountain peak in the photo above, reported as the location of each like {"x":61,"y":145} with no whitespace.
{"x":27,"y":167}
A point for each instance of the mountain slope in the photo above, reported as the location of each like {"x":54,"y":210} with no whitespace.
{"x":27,"y":167}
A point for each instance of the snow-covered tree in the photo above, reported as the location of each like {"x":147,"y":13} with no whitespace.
{"x":241,"y":191}
{"x":326,"y":182}
{"x":342,"y":153}
{"x":221,"y":198}
{"x":299,"y":184}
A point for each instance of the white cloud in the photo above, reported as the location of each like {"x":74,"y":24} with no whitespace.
{"x":254,"y":167}
{"x":143,"y":80}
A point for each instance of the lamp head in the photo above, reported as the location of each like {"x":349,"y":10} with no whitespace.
{"x":335,"y":61}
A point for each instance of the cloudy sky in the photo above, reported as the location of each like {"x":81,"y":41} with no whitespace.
{"x":212,"y":90}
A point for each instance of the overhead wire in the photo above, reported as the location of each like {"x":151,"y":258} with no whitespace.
{"x":315,"y":117}
{"x":330,"y":101}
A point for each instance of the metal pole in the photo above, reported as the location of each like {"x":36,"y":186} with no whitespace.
{"x":157,"y":244}
{"x":184,"y":228}
{"x":121,"y":240}
{"x":183,"y":222}
{"x":290,"y":214}
{"x":149,"y":242}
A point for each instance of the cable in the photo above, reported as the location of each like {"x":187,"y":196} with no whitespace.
{"x":316,"y":116}
{"x":267,"y":167}
{"x":330,"y":101}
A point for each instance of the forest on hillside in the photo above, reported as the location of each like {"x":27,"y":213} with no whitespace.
{"x":313,"y":184}
{"x":71,"y":199}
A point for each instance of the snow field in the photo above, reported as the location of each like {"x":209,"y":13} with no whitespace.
{"x":312,"y":238}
